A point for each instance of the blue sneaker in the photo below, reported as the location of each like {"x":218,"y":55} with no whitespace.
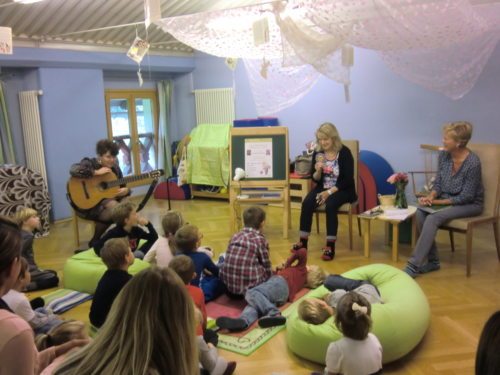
{"x":221,"y":259}
{"x":432,"y":265}
{"x":411,"y":270}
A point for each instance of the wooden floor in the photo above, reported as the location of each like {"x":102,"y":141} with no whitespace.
{"x":459,"y":305}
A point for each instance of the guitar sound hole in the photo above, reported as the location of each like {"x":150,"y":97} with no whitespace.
{"x":103,"y":185}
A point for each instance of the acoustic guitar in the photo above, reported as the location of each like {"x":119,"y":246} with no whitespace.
{"x":86,"y":193}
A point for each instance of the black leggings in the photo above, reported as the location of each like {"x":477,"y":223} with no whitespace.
{"x":333,"y":202}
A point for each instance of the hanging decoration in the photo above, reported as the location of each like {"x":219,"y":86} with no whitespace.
{"x":231,"y":62}
{"x":138,"y":49}
{"x":5,"y":41}
{"x":136,"y":52}
{"x":348,"y":62}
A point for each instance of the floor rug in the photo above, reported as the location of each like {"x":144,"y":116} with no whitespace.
{"x":62,"y":300}
{"x":245,"y":342}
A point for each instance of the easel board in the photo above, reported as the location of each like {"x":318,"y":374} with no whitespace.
{"x":276,"y":136}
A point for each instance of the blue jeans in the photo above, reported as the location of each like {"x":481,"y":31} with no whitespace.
{"x":264,"y":298}
{"x":212,"y":287}
{"x":428,"y":224}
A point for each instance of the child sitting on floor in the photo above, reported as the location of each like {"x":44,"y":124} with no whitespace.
{"x":263,"y":300}
{"x":41,"y":320}
{"x":29,"y":222}
{"x":128,"y":223}
{"x":187,"y":240}
{"x":318,"y":310}
{"x":118,"y":257}
{"x":359,"y":351}
{"x":207,"y":339}
{"x":246,"y":263}
{"x":162,"y":251}
{"x":65,"y":332}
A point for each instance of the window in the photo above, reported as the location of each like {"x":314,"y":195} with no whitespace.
{"x":132,"y":123}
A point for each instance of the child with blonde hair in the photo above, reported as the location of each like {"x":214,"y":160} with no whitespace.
{"x":41,"y":319}
{"x":359,"y":351}
{"x":263,"y":300}
{"x":162,"y":251}
{"x":188,"y":240}
{"x":29,"y":222}
{"x":64,"y":332}
{"x":318,"y":310}
{"x":128,"y":224}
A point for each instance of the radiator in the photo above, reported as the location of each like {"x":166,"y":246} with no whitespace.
{"x":214,"y":106}
{"x":32,"y":132}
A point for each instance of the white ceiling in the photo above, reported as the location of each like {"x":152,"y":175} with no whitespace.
{"x":46,"y":23}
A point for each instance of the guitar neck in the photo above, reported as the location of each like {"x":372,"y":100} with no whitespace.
{"x":128,"y":179}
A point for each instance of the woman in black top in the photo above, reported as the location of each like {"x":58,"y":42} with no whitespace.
{"x":105,"y":162}
{"x":333,"y":172}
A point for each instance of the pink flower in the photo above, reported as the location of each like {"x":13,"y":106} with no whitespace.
{"x":398,"y":177}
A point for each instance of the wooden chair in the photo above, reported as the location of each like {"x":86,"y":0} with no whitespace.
{"x":76,"y":229}
{"x":347,"y":208}
{"x":490,"y":157}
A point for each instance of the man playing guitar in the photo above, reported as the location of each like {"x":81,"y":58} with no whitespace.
{"x":87,"y":168}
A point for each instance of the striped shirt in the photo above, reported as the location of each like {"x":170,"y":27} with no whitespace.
{"x":464,"y":186}
{"x":247,"y":262}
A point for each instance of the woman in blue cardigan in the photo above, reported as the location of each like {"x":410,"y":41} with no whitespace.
{"x":333,"y":172}
{"x":458,"y":185}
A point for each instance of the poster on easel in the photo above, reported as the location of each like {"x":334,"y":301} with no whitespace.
{"x":259,"y":157}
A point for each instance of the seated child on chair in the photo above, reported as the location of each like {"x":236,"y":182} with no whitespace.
{"x":128,"y":223}
{"x":29,"y":222}
{"x":318,"y":310}
{"x":187,"y":240}
{"x":118,"y":257}
{"x":207,"y":339}
{"x":263,"y":300}
{"x":246,"y":263}
{"x":40,"y":319}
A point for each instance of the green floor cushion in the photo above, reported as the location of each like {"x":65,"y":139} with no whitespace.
{"x":399,"y":323}
{"x":83,"y":271}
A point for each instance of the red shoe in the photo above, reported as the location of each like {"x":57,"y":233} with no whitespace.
{"x":328,"y":253}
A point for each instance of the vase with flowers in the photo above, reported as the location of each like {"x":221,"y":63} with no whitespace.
{"x":399,"y":180}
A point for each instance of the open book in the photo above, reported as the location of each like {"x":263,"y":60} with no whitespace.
{"x":433,"y":208}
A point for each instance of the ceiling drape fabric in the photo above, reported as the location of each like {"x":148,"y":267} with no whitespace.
{"x":442,"y":45}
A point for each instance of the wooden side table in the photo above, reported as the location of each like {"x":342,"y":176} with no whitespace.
{"x":389,"y":220}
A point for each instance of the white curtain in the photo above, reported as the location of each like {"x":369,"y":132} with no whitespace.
{"x":442,"y":45}
{"x":165,"y":90}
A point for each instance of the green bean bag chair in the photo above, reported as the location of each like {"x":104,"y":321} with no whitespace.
{"x":83,"y":271}
{"x":399,"y":323}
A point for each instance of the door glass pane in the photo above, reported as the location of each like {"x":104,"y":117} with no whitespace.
{"x":145,"y":130}
{"x":121,"y":133}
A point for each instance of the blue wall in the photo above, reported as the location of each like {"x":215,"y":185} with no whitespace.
{"x":73,"y":117}
{"x":389,"y":115}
